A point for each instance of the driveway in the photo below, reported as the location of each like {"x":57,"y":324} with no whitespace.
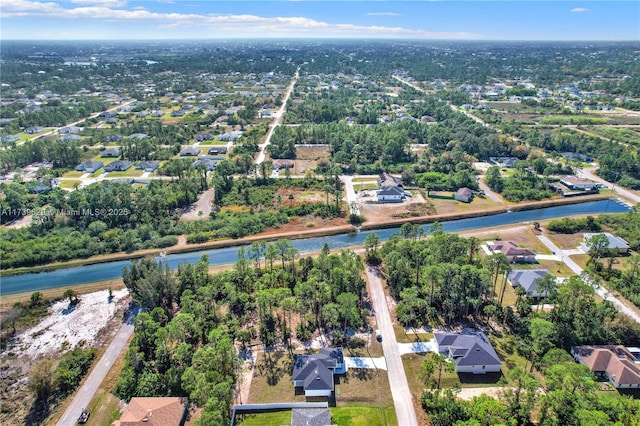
{"x":351,"y":194}
{"x":365,"y":362}
{"x":602,"y":292}
{"x":397,"y":378}
{"x":87,"y":391}
{"x":416,"y":347}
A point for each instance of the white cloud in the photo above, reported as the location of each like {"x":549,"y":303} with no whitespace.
{"x":182,"y":25}
{"x":102,"y":3}
{"x":579,"y":9}
{"x":383,"y":14}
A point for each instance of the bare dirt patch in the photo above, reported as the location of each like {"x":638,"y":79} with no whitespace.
{"x":375,"y":212}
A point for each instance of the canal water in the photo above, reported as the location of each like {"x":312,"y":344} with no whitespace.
{"x":222,"y":256}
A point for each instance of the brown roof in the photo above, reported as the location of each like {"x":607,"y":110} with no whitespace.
{"x":168,"y":411}
{"x":509,"y":248}
{"x":616,"y":361}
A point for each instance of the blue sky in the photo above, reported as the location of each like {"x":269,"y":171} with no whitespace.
{"x":204,"y":19}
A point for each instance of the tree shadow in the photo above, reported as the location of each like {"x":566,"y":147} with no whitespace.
{"x":38,"y":412}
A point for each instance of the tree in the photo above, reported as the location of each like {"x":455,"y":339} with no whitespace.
{"x":520,"y":395}
{"x":494,"y":179}
{"x":432,"y":362}
{"x":598,"y":247}
{"x":543,"y":335}
{"x":41,"y":379}
{"x":371,"y":243}
{"x":72,"y":295}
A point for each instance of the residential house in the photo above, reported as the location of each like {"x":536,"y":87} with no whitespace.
{"x":89,"y":166}
{"x":157,"y":114}
{"x":69,"y":130}
{"x":148,"y":166}
{"x":107,"y":114}
{"x":464,"y":194}
{"x":217,"y":150}
{"x":118,"y":166}
{"x":177,"y":113}
{"x":514,"y":253}
{"x":614,"y":363}
{"x":615,"y":243}
{"x":230,"y":136}
{"x":390,"y":189}
{"x":283,"y":164}
{"x":577,"y":184}
{"x":207,"y":162}
{"x":33,"y":130}
{"x":111,"y":152}
{"x":203,"y":137}
{"x":314,"y":372}
{"x":69,"y":138}
{"x":9,"y":138}
{"x":577,"y":156}
{"x":528,"y":279}
{"x":154,"y":411}
{"x":472,"y":353}
{"x":138,"y":136}
{"x":190,"y":151}
{"x":505,"y":162}
{"x":113,"y":138}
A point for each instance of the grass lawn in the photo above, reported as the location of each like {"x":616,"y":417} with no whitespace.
{"x":403,"y":337}
{"x":371,"y":178}
{"x":361,"y":386}
{"x":127,"y":173}
{"x":104,"y":409}
{"x":566,"y":241}
{"x":273,"y":418}
{"x":69,"y":184}
{"x":555,"y":267}
{"x":363,"y":415}
{"x":446,"y":206}
{"x":73,"y":174}
{"x":272,"y":380}
{"x":505,"y":348}
{"x":580,"y":259}
{"x":96,"y":173}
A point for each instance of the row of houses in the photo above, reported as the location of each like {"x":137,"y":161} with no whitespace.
{"x":91,"y":166}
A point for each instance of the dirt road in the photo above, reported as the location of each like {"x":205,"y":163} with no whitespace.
{"x":397,"y":378}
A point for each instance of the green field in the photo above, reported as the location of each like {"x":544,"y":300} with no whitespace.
{"x":274,"y":418}
{"x":127,"y":173}
{"x":363,"y":416}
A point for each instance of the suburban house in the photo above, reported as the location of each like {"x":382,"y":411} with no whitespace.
{"x":148,"y":166}
{"x":69,"y":138}
{"x":207,"y":162}
{"x":69,"y":130}
{"x":506,"y":162}
{"x":113,"y":138}
{"x":615,"y":243}
{"x":528,"y":279}
{"x":178,"y":113}
{"x":118,"y":166}
{"x":464,"y":194}
{"x":159,"y":411}
{"x":314,"y":373}
{"x":514,"y":253}
{"x":190,"y":151}
{"x":472,"y":353}
{"x":89,"y":166}
{"x":111,"y":152}
{"x":577,"y":184}
{"x":217,"y":150}
{"x":614,"y":363}
{"x":203,"y":137}
{"x":10,"y":138}
{"x":107,"y":114}
{"x":577,"y":156}
{"x":390,"y":189}
{"x":230,"y":136}
{"x":283,"y":164}
{"x":138,"y":136}
{"x":33,"y":130}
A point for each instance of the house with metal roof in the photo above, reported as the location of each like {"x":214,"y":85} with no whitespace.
{"x":615,"y":243}
{"x":528,"y":279}
{"x":314,"y":372}
{"x":471,"y":353}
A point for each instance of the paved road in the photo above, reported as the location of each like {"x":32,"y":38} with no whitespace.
{"x":602,"y":292}
{"x":351,"y":194}
{"x":93,"y":382}
{"x":489,"y":193}
{"x":397,"y":379}
{"x":588,"y":173}
{"x":278,"y":120}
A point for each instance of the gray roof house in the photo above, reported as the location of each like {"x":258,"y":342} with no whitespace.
{"x":89,"y":166}
{"x":118,"y":166}
{"x":464,"y":194}
{"x":615,"y":243}
{"x":33,"y":129}
{"x":10,"y":138}
{"x":506,"y":162}
{"x":111,"y":152}
{"x":390,"y":194}
{"x":217,"y":150}
{"x":148,"y":166}
{"x":472,"y":353}
{"x":528,"y":279}
{"x":190,"y":151}
{"x":208,"y":163}
{"x":314,"y":373}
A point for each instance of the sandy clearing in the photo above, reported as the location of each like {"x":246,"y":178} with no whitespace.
{"x":67,"y":328}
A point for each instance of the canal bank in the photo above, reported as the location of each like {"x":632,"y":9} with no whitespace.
{"x":226,"y":255}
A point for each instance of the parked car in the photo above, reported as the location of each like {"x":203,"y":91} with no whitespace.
{"x":84,"y":416}
{"x":378,"y":336}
